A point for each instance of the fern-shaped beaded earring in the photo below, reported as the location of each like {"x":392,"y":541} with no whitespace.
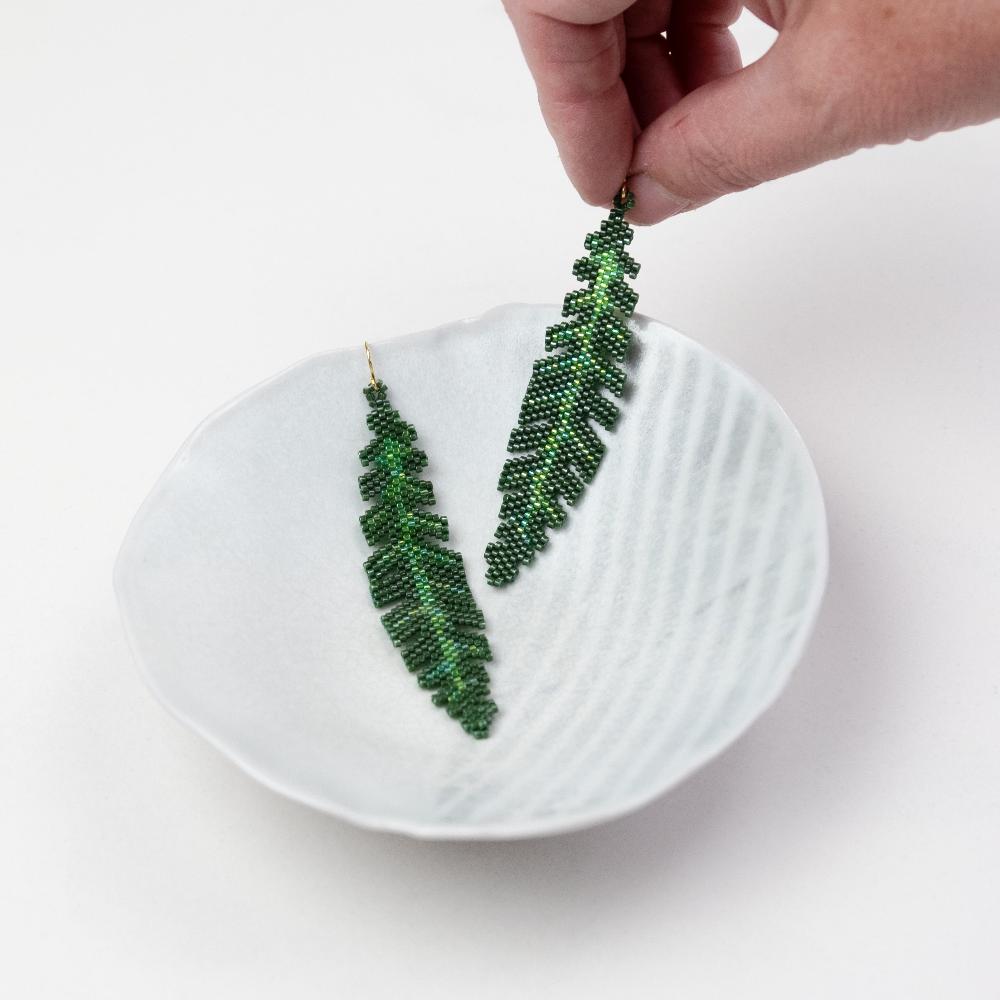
{"x":434,"y":618}
{"x":564,"y":395}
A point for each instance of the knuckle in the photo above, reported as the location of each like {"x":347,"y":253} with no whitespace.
{"x":706,"y":165}
{"x":595,"y":53}
{"x":843,"y":82}
{"x":580,"y":62}
{"x":815,"y":82}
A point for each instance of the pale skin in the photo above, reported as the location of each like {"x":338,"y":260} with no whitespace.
{"x":655,"y":91}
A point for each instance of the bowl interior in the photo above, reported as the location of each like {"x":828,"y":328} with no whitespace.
{"x":658,"y":623}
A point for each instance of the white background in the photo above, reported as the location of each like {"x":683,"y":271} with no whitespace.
{"x":196,"y":194}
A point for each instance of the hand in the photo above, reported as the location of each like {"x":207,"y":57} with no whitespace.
{"x":682,"y":118}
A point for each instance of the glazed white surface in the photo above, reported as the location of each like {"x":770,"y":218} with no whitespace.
{"x":655,"y":626}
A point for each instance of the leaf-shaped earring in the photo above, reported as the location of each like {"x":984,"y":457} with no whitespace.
{"x":434,"y":619}
{"x":564,"y":394}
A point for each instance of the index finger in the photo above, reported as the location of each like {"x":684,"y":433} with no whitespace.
{"x":575,"y":50}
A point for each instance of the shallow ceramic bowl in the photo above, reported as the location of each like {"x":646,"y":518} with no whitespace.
{"x":655,"y":627}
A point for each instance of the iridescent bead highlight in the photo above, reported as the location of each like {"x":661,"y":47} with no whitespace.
{"x":434,"y":619}
{"x":556,"y":448}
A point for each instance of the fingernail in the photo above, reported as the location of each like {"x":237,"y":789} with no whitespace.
{"x":653,"y":202}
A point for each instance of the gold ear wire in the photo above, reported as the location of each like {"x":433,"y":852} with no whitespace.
{"x":371,"y":365}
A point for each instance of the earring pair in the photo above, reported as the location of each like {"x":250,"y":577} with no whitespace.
{"x":433,"y":618}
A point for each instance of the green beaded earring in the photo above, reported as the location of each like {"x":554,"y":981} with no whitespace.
{"x":434,"y":619}
{"x":563,"y":396}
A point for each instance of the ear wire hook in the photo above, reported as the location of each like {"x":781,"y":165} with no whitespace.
{"x":371,"y":365}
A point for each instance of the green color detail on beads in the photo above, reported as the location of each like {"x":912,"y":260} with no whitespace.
{"x":564,"y":394}
{"x":434,"y":620}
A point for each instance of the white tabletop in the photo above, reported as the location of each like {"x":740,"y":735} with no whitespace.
{"x":194,"y":196}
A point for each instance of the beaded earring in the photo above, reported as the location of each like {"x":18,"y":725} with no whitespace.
{"x":562,"y":451}
{"x":434,"y":619}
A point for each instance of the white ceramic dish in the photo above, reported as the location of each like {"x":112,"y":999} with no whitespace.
{"x":656,"y":626}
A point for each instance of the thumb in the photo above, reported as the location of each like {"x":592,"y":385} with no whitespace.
{"x":762,"y":122}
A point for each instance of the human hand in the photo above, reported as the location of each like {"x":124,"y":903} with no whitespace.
{"x":686,"y":123}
